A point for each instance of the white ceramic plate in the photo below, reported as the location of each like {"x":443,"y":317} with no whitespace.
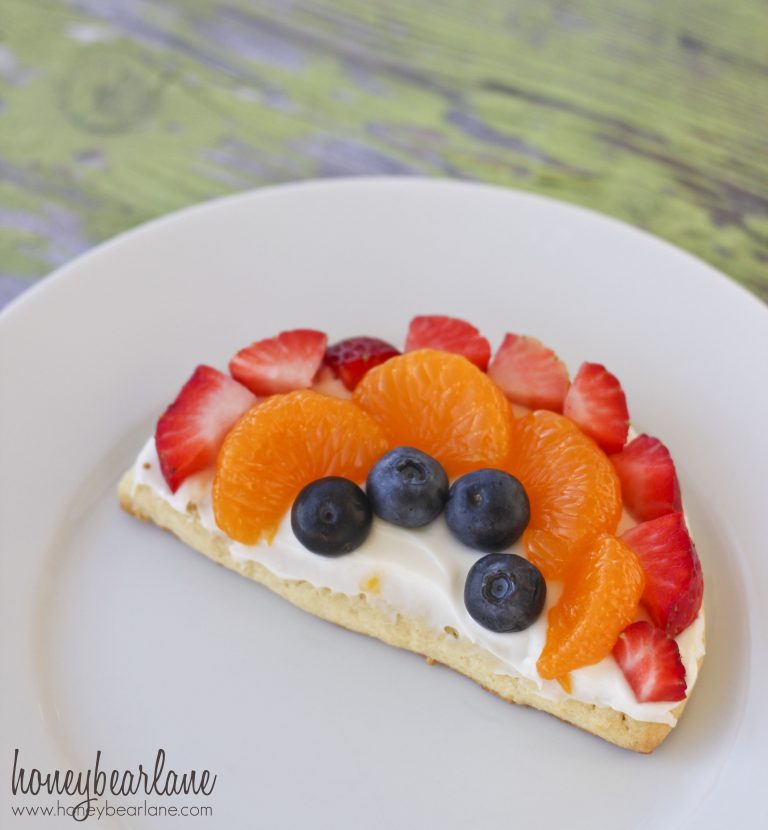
{"x":117,"y":638}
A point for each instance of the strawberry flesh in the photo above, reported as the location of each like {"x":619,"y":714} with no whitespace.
{"x":448,"y":334}
{"x":352,"y":358}
{"x":651,"y":662}
{"x":280,"y":364}
{"x":191,"y":431}
{"x":529,"y":373}
{"x":597,"y":405}
{"x":649,"y":484}
{"x":674,"y":584}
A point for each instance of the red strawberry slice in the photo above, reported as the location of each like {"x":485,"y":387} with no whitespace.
{"x":529,"y":373}
{"x":649,"y":483}
{"x":350,"y":359}
{"x":651,"y":663}
{"x":448,"y":334}
{"x":191,"y":430}
{"x":280,"y":364}
{"x":674,"y":585}
{"x":596,"y":403}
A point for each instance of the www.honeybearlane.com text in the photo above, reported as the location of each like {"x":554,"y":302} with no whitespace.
{"x":94,"y":782}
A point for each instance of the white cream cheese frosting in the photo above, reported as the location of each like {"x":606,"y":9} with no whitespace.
{"x":422,"y":573}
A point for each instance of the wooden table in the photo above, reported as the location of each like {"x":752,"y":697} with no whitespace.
{"x":116,"y":111}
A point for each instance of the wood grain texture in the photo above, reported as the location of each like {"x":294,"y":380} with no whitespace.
{"x":116,"y":111}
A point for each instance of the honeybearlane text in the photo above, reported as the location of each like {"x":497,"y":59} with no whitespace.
{"x":94,"y":782}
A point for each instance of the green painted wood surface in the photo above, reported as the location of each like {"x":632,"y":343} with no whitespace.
{"x":115,"y":111}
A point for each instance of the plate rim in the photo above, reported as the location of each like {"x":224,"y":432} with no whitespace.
{"x":15,"y":306}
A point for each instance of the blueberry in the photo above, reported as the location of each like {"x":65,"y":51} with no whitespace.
{"x":331,"y":516}
{"x":487,"y":510}
{"x":407,"y":487}
{"x":504,"y":592}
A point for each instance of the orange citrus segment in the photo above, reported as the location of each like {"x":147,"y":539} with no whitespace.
{"x":599,"y":601}
{"x":279,"y":446}
{"x":565,"y":683}
{"x":441,"y":404}
{"x":572,"y":487}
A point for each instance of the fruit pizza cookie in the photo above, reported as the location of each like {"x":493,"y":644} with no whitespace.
{"x":487,"y":511}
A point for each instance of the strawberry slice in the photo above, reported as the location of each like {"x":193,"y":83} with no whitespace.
{"x":448,"y":334}
{"x":649,"y":483}
{"x":674,"y":585}
{"x":529,"y":373}
{"x":596,"y":404}
{"x":651,"y":663}
{"x":280,"y":364}
{"x":191,"y":430}
{"x":350,"y":359}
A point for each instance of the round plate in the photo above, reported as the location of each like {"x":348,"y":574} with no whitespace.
{"x":116,"y":638}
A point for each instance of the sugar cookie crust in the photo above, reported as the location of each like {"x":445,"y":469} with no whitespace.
{"x":358,"y":614}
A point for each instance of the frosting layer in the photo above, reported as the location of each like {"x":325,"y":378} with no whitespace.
{"x":422,"y":572}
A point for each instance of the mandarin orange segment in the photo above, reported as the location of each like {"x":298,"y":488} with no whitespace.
{"x":572,"y":487}
{"x":279,"y":446}
{"x":441,"y":404}
{"x":599,"y":601}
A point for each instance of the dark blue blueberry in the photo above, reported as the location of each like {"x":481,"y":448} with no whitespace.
{"x":504,"y":592}
{"x":407,"y":487}
{"x":487,"y":510}
{"x":331,"y":516}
